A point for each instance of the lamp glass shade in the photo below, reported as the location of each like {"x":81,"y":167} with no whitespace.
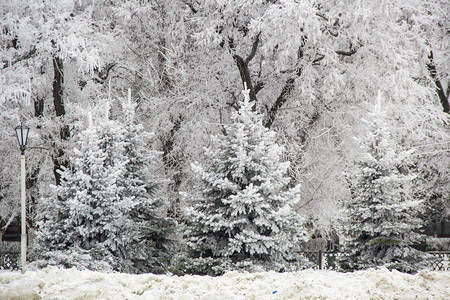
{"x":22,"y":136}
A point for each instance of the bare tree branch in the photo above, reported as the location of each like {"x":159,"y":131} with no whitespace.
{"x":242,"y":65}
{"x":258,"y":87}
{"x":285,"y":92}
{"x":318,"y":58}
{"x":191,"y":6}
{"x":24,"y":56}
{"x":346,"y":53}
{"x":439,"y":88}
{"x":254,"y":48}
{"x":282,"y":98}
{"x":322,"y":16}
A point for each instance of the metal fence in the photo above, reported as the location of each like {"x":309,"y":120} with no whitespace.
{"x":326,"y":260}
{"x":9,"y":256}
{"x":441,"y":261}
{"x":9,"y":260}
{"x":322,"y":260}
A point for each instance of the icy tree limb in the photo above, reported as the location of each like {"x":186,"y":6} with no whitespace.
{"x":439,"y":88}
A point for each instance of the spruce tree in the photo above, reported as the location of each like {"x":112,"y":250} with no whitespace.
{"x":151,"y":251}
{"x":84,"y":225}
{"x":106,"y":216}
{"x":245,"y":213}
{"x":382,"y":224}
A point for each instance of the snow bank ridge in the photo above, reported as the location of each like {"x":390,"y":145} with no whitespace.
{"x":54,"y":283}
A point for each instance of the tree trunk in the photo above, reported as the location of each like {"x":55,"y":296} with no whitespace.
{"x":245,"y":76}
{"x":172,"y":165}
{"x":58,"y":101}
{"x":244,"y":71}
{"x":39,"y":107}
{"x":58,"y":86}
{"x":439,"y":88}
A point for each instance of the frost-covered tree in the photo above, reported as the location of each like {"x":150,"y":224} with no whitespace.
{"x":244,"y":215}
{"x":85,"y":226}
{"x":53,"y":54}
{"x":52,"y":50}
{"x":431,"y":184}
{"x":105,"y":217}
{"x":382,"y":222}
{"x":308,"y":64}
{"x":139,"y":186}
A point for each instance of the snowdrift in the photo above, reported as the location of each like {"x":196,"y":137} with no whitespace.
{"x":54,"y":283}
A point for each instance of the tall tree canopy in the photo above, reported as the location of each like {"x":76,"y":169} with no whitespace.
{"x":312,"y":67}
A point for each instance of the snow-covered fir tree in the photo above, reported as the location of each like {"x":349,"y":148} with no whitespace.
{"x":83,"y":225}
{"x":382,"y":222}
{"x":244,"y":217}
{"x":105,"y":217}
{"x":152,"y":253}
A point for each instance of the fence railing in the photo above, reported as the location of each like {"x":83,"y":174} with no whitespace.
{"x":9,"y":256}
{"x":326,"y":260}
{"x":322,"y":260}
{"x":9,"y":261}
{"x":441,"y":261}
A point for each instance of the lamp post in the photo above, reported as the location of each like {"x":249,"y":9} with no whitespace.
{"x":22,"y":138}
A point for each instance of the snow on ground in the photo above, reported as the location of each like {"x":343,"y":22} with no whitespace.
{"x":54,"y":283}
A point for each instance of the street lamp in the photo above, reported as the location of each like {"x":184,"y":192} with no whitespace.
{"x":22,"y":138}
